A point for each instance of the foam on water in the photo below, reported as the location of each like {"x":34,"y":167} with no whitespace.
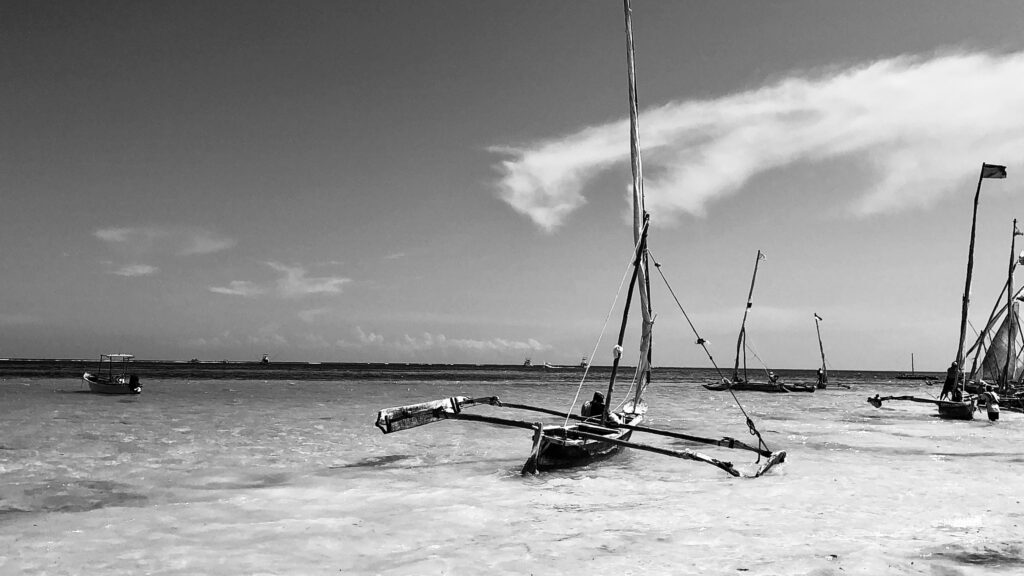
{"x":290,"y":477}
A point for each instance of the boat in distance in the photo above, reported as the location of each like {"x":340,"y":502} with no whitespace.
{"x":113,"y":376}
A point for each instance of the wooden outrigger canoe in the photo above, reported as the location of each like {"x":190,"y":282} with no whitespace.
{"x":600,"y":432}
{"x":948,"y":409}
{"x":767,"y":387}
{"x":571,"y":445}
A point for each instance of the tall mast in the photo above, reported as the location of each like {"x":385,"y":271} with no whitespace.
{"x":741,"y":340}
{"x":1011,"y":330}
{"x":821,"y":347}
{"x":640,"y":222}
{"x":967,"y":284}
{"x":990,"y":171}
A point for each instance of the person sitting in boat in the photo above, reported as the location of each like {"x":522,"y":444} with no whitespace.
{"x":772,"y":377}
{"x":991,"y":403}
{"x":821,"y":376}
{"x":593,"y":407}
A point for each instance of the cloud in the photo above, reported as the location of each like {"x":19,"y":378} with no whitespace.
{"x":395,"y":256}
{"x":181,"y":241}
{"x":238,"y":288}
{"x":440,"y":342}
{"x":295,"y":283}
{"x":202,"y":242}
{"x":368,"y":337}
{"x":133,"y":270}
{"x":922,"y":126}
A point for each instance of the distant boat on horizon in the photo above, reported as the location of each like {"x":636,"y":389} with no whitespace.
{"x":913,"y":375}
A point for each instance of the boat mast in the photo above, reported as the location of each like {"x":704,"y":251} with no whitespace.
{"x":824,"y":368}
{"x":741,"y":341}
{"x":640,"y":224}
{"x":1011,"y":330}
{"x":970,"y":271}
{"x":911,"y":363}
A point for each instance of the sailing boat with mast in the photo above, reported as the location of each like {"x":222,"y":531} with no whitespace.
{"x":953,"y":404}
{"x":599,"y":430}
{"x":739,"y":380}
{"x":914,"y":375}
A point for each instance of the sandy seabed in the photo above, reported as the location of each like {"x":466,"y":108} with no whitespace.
{"x":291,"y":477}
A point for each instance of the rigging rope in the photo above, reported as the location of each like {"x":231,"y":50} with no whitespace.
{"x":751,"y":427}
{"x":763,"y":365}
{"x":593,"y":354}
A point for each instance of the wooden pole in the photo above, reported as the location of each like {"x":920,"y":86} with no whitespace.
{"x":967,"y":283}
{"x":1011,"y":331}
{"x":821,"y":347}
{"x":622,"y":328}
{"x":725,"y":442}
{"x":685,"y":454}
{"x":640,"y":216}
{"x":741,"y":340}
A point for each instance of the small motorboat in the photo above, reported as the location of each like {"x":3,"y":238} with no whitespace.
{"x":112,"y":376}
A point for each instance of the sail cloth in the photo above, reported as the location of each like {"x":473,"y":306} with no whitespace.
{"x":993,"y":366}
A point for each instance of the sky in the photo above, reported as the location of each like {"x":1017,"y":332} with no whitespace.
{"x":447,"y":181}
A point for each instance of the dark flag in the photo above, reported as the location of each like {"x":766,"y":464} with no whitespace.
{"x":818,"y":317}
{"x":993,"y":171}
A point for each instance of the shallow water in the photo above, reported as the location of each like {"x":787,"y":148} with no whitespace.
{"x":291,"y":477}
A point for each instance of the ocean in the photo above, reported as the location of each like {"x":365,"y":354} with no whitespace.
{"x":278,"y":469}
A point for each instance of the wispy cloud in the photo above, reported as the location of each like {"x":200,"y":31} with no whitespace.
{"x":238,"y":288}
{"x":923,"y":126}
{"x":179,"y":240}
{"x":429,"y":342}
{"x":295,"y":283}
{"x":133,"y":270}
{"x":395,"y":256}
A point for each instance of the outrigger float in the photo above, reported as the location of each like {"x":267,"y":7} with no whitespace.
{"x":599,"y":430}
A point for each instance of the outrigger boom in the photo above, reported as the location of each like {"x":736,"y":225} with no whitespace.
{"x":414,"y":415}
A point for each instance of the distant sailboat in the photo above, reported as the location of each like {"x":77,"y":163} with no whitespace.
{"x":823,"y":371}
{"x":740,"y":380}
{"x":914,"y":375}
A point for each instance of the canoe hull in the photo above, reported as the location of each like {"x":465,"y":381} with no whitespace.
{"x":558,"y":452}
{"x":957,"y":410}
{"x":765,"y":387}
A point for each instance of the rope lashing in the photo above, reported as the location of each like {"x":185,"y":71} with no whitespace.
{"x":752,"y":428}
